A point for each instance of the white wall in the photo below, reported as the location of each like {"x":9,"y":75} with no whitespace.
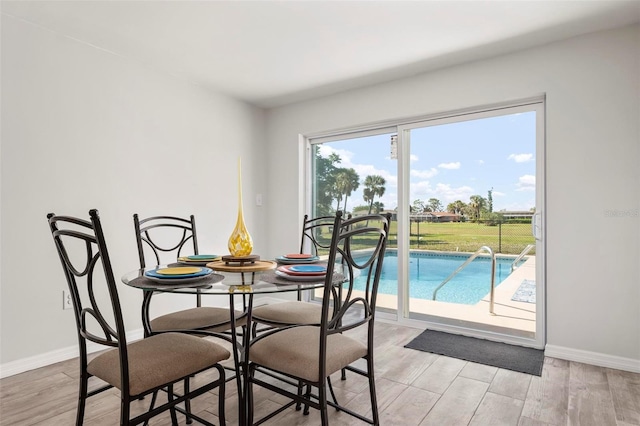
{"x":593,"y":158}
{"x":83,"y":128}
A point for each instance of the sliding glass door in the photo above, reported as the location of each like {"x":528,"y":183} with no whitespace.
{"x":473,"y":195}
{"x":464,"y":189}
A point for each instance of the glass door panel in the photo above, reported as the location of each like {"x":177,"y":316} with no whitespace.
{"x":358,"y":175}
{"x":472,"y":191}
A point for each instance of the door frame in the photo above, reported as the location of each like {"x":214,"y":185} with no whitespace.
{"x":402,"y":127}
{"x":538,"y":221}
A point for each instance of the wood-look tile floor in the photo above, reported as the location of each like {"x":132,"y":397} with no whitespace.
{"x":413,"y":388}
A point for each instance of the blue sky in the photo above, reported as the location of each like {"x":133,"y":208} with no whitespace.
{"x":453,"y":161}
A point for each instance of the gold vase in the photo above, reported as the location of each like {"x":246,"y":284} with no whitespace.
{"x":240,"y":243}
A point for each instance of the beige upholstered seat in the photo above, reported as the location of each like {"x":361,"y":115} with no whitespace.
{"x":292,"y":312}
{"x":137,"y":369}
{"x":310,"y":354}
{"x":295,"y":351}
{"x":315,"y":239}
{"x":156,"y":360}
{"x":196,"y":318}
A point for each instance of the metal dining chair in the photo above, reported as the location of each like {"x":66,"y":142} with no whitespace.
{"x":312,"y":353}
{"x":137,"y":369}
{"x":315,"y":240}
{"x":168,"y":238}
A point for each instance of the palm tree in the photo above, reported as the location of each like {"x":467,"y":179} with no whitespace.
{"x":378,"y":206}
{"x":456,"y":207}
{"x":477,"y":203}
{"x":339,"y":186}
{"x":434,"y":204}
{"x":346,"y":181}
{"x":374,"y":185}
{"x":352,"y":183}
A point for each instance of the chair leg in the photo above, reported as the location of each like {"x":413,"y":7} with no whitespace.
{"x":372,"y":391}
{"x":322,"y":400}
{"x":308,"y":396}
{"x":154,"y":397}
{"x":344,"y":374}
{"x":333,"y":395}
{"x":172,"y":410}
{"x":299,"y":403}
{"x":249,"y":385}
{"x":187,"y":403}
{"x":221,"y":394}
{"x":124,"y":411}
{"x":82,"y":399}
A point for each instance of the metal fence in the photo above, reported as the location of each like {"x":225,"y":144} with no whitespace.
{"x":506,"y":238}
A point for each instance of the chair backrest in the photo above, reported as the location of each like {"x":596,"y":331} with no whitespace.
{"x":316,"y":234}
{"x":358,"y":246}
{"x":81,"y":247}
{"x":165,"y":235}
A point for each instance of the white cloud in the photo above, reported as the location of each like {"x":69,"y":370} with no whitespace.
{"x":365,"y":170}
{"x":448,"y":194}
{"x":450,"y":166}
{"x":345,"y":156}
{"x":520,"y":158}
{"x":480,"y":162}
{"x":424,"y":174}
{"x":413,"y":158}
{"x":442,"y":191}
{"x":526,"y":183}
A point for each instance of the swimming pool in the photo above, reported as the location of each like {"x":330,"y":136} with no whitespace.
{"x":427,"y":270}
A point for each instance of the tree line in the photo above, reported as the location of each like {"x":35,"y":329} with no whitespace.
{"x":478,"y":207}
{"x":334,"y":185}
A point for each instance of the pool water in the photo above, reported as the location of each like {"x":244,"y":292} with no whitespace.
{"x":428,"y":270}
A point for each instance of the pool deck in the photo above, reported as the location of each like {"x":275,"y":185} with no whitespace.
{"x":511,"y":317}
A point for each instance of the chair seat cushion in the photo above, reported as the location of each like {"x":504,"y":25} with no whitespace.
{"x":158,"y":360}
{"x":203,"y":318}
{"x":293,"y":312}
{"x":296,"y":350}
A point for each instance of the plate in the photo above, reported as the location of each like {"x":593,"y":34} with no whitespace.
{"x":181,"y":270}
{"x":283,"y":260}
{"x":204,"y":281}
{"x":297,"y":256}
{"x":308,"y":268}
{"x":286,"y":269}
{"x":153,"y":274}
{"x":201,"y":257}
{"x":193,"y":260}
{"x":317,"y":278}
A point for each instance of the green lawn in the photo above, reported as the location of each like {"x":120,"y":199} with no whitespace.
{"x":463,"y":236}
{"x":466,"y":236}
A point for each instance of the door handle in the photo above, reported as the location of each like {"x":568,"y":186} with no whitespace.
{"x":536,"y":225}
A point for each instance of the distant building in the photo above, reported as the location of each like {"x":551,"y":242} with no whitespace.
{"x":436,"y":217}
{"x":525,"y":214}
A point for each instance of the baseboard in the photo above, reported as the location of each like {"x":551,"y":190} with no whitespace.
{"x":593,"y":358}
{"x":31,"y":363}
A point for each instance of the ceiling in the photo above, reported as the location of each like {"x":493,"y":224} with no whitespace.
{"x":271,"y":53}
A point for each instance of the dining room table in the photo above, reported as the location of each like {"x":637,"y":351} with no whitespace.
{"x":239,"y":282}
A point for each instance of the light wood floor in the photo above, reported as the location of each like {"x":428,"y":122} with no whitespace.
{"x":413,"y":387}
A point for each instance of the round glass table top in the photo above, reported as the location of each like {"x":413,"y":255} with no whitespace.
{"x":225,"y":282}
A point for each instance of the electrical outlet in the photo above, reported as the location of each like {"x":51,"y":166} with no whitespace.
{"x":67,"y":303}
